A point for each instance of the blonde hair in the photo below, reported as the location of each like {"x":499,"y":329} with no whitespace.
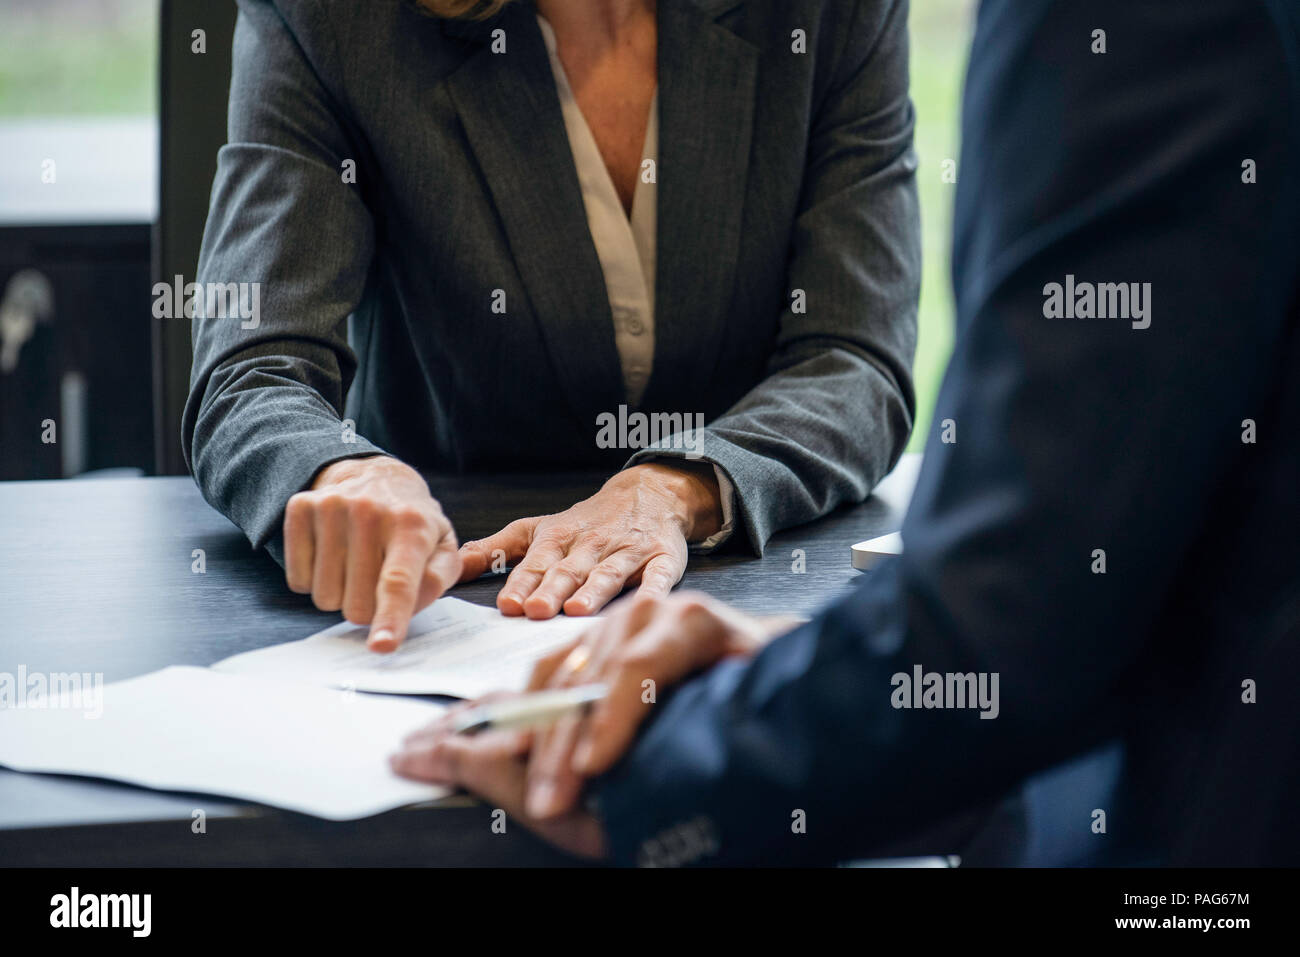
{"x":466,"y":9}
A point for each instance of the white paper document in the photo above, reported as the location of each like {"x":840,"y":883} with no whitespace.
{"x":310,"y":749}
{"x":452,"y":648}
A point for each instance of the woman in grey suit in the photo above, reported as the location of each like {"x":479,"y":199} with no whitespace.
{"x":678,"y":241}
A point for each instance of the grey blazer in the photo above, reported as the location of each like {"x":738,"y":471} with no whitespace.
{"x":389,"y":177}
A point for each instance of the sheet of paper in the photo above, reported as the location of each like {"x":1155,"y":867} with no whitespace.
{"x":453,"y":648}
{"x":310,"y":749}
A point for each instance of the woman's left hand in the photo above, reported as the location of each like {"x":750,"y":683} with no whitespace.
{"x":635,"y":530}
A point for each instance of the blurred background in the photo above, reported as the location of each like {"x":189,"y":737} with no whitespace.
{"x":103,"y":189}
{"x":941,"y":31}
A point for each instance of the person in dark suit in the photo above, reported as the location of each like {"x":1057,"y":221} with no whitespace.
{"x":676,"y":241}
{"x":1102,"y":557}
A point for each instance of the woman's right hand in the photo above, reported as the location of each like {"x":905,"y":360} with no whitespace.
{"x":367,"y":538}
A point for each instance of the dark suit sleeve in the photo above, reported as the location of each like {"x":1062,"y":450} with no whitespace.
{"x":265,"y":404}
{"x":835,"y":410}
{"x":1073,"y":438}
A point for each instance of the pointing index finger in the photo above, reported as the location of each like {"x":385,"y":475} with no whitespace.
{"x":397,"y":592}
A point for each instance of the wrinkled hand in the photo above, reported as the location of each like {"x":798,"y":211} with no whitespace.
{"x":369,"y":539}
{"x":634,"y":530}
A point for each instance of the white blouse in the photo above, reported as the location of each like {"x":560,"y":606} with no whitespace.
{"x":625,"y":247}
{"x":626,"y":250}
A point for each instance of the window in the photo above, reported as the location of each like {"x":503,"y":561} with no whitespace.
{"x":941,"y":32}
{"x":78,"y":120}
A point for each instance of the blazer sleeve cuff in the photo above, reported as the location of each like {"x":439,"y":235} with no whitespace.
{"x":657,"y":805}
{"x":293,"y":467}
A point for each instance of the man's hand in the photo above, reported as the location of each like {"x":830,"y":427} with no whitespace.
{"x":638,"y":651}
{"x":634,"y":530}
{"x":369,"y":539}
{"x":643,"y":644}
{"x":492,"y":766}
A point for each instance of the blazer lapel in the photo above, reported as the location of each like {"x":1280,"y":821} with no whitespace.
{"x":511,"y":114}
{"x":510,"y":110}
{"x":707,"y":83}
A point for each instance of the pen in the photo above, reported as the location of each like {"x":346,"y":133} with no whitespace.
{"x":530,"y":710}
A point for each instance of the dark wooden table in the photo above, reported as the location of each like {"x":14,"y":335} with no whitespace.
{"x":98,"y":577}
